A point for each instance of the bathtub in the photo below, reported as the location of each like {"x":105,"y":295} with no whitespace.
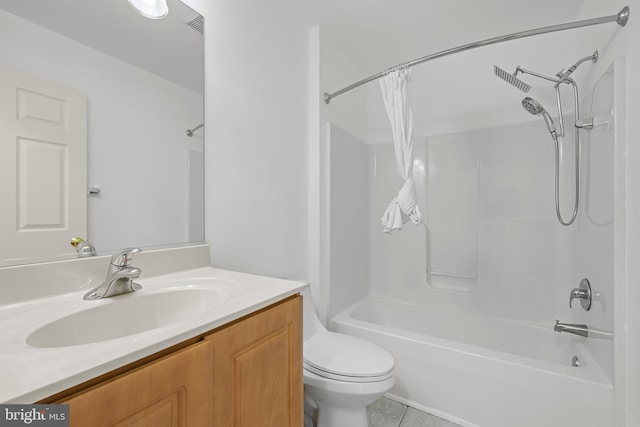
{"x":483,"y":372}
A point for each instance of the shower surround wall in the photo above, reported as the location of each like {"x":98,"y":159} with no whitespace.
{"x":591,"y":242}
{"x":349,"y":212}
{"x":492,"y":269}
{"x":491,"y":234}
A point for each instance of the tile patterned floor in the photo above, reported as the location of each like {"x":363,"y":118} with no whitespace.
{"x":385,"y":412}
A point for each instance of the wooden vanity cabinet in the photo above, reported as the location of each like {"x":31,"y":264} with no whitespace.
{"x":244,"y":374}
{"x":174,"y":391}
{"x":257,"y":369}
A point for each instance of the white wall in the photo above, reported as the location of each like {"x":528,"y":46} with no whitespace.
{"x":336,"y":71}
{"x":349,"y":220}
{"x":244,"y":243}
{"x":620,"y":45}
{"x":329,"y":70}
{"x":143,"y":202}
{"x":256,"y":140}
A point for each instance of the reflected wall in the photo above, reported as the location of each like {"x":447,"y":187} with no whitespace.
{"x":140,"y":157}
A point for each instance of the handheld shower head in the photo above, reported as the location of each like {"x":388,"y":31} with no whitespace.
{"x":532,"y":106}
{"x":535,"y":108}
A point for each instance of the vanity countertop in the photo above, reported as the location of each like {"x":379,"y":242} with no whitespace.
{"x":29,"y":373}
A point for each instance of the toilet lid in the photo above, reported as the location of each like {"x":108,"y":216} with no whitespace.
{"x":345,"y":355}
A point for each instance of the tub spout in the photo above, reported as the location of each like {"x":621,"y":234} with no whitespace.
{"x":572,"y":328}
{"x":583,"y":330}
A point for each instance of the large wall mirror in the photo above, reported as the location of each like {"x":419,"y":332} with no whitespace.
{"x":132,"y":87}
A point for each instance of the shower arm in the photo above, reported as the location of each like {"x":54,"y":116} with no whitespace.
{"x":555,"y":80}
{"x":621,"y":19}
{"x":563,"y":75}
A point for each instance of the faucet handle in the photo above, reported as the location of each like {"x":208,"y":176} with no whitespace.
{"x":575,"y":293}
{"x":583,"y":292}
{"x":123,"y":257}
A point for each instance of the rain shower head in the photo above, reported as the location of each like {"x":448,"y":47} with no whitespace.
{"x":535,"y":108}
{"x":511,"y":79}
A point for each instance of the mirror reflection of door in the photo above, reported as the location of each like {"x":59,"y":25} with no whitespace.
{"x":43,"y":170}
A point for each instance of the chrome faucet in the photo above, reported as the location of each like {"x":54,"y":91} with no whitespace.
{"x":583,"y":293}
{"x":572,"y":328}
{"x":120,"y":276}
{"x":582,"y":330}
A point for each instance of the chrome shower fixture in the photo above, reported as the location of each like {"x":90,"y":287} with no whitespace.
{"x":563,"y":75}
{"x":511,"y":78}
{"x":535,"y":108}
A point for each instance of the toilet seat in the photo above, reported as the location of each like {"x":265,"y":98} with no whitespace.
{"x":346,"y":358}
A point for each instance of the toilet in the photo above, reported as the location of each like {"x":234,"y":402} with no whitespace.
{"x":342,"y":374}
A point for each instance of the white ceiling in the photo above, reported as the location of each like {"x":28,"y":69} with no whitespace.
{"x":167,"y":47}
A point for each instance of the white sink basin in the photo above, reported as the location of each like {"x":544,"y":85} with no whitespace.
{"x":125,"y":315}
{"x":52,"y":339}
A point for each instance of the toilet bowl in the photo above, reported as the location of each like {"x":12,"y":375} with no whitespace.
{"x":342,"y":374}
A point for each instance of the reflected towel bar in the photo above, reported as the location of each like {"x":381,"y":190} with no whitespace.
{"x":191,"y":131}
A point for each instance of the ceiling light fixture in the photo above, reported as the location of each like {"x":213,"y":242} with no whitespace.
{"x":152,"y":9}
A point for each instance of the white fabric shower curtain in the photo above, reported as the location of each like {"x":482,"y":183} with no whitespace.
{"x":395,"y":93}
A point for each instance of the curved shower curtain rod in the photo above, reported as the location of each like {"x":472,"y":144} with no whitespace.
{"x":621,"y":19}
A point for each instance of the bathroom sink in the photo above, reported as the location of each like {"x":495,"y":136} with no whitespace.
{"x":126,"y":315}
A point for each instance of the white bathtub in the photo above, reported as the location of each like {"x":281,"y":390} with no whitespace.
{"x":482,"y":372}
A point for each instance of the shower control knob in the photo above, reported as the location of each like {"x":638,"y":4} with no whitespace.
{"x":583,"y":293}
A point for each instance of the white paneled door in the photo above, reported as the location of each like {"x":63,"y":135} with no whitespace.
{"x":43,"y":166}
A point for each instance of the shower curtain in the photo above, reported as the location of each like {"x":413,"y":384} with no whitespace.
{"x":403,"y":207}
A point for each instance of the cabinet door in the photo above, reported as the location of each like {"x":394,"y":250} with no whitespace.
{"x":257,"y":369}
{"x":170,"y":392}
